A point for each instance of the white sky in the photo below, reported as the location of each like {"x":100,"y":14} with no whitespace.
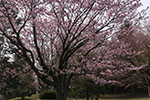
{"x":145,"y":3}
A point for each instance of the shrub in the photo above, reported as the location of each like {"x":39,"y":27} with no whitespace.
{"x":48,"y":95}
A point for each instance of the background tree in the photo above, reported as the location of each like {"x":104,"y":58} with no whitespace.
{"x":7,"y":71}
{"x":16,"y":80}
{"x":14,"y":77}
{"x":139,"y":40}
{"x":26,"y":84}
{"x":84,"y":87}
{"x":56,"y":37}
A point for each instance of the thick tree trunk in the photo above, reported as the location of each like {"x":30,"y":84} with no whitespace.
{"x":61,"y":92}
{"x":61,"y":97}
{"x":62,"y":87}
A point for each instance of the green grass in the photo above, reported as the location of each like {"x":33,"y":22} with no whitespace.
{"x":36,"y":97}
{"x":33,"y":97}
{"x":128,"y":99}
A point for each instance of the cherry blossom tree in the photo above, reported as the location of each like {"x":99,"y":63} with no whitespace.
{"x":63,"y":38}
{"x":7,"y":74}
{"x":15,"y":78}
{"x":140,"y":44}
{"x":7,"y":71}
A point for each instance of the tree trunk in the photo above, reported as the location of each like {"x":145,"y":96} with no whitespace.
{"x":148,"y":90}
{"x":133,"y":89}
{"x":91,"y":96}
{"x":5,"y":98}
{"x":61,"y":93}
{"x":22,"y":97}
{"x":62,"y":87}
{"x":87,"y":94}
{"x":97,"y":96}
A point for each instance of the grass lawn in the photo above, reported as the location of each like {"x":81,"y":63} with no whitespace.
{"x":36,"y":97}
{"x":128,"y":99}
{"x":33,"y":97}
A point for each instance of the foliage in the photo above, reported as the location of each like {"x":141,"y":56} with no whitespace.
{"x":83,"y":87}
{"x":140,"y":45}
{"x":26,"y":80}
{"x":16,"y":80}
{"x":63,"y":38}
{"x":8,"y":73}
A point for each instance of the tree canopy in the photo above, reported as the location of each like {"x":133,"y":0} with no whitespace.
{"x":63,"y":38}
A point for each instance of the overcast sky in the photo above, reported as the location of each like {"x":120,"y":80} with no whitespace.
{"x":145,"y":3}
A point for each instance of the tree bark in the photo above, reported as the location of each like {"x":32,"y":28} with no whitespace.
{"x":148,"y":90}
{"x":97,"y":97}
{"x":132,"y":89}
{"x":87,"y":94}
{"x":91,"y":96}
{"x":61,"y":92}
{"x":62,"y":87}
{"x":22,"y":97}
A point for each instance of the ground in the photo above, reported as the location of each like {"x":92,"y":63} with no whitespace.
{"x":135,"y":96}
{"x":105,"y":97}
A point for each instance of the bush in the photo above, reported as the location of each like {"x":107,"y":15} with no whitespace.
{"x":48,"y":95}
